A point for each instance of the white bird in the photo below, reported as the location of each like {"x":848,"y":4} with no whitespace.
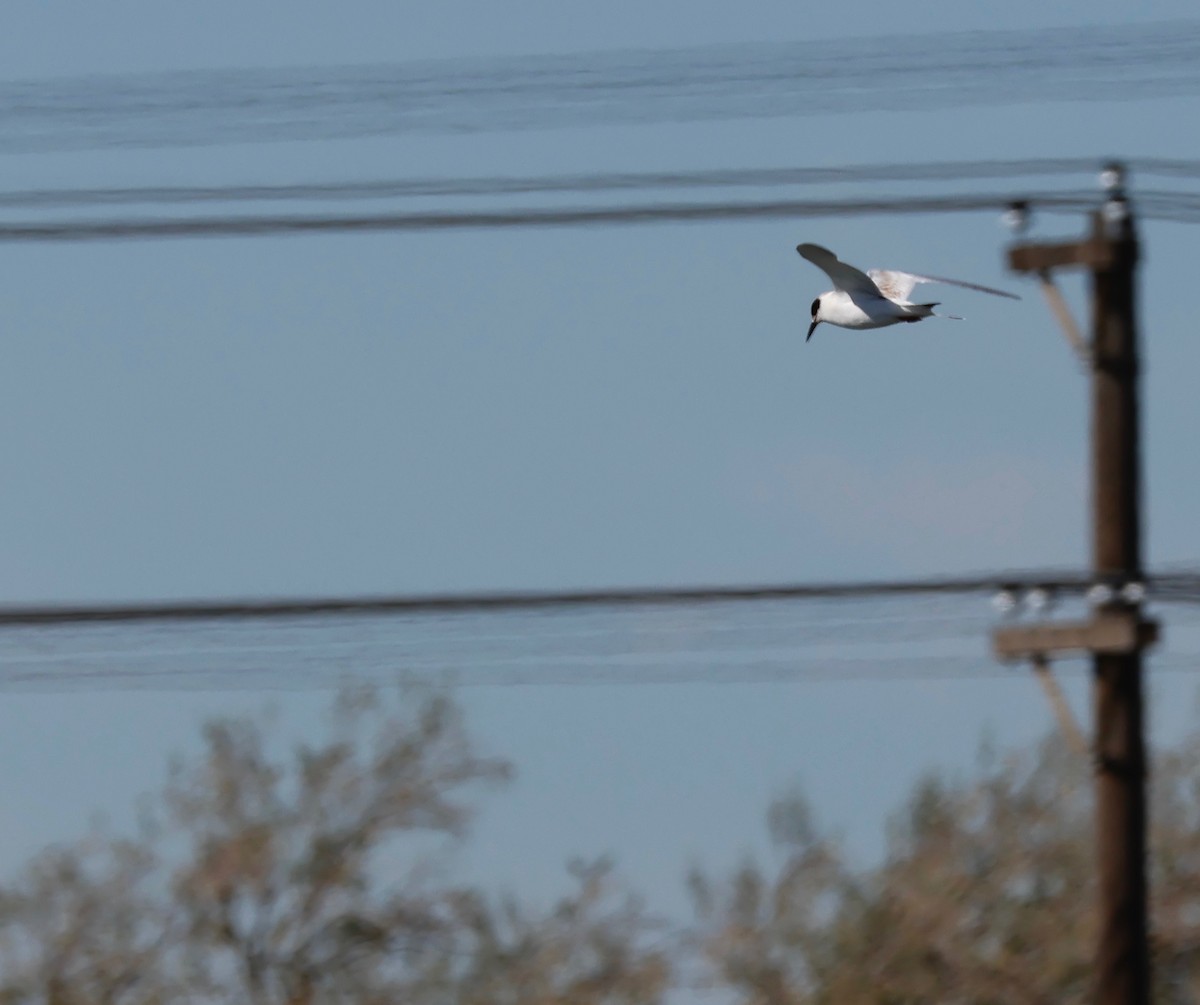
{"x":873,"y":299}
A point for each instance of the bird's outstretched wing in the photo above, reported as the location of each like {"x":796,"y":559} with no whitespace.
{"x":845,"y":277}
{"x":898,"y":285}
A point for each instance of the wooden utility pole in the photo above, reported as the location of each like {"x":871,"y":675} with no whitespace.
{"x":1117,"y":633}
{"x":1123,"y":964}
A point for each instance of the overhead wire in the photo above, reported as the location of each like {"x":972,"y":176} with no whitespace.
{"x":1181,"y":584}
{"x":901,"y":630}
{"x":804,"y":77}
{"x":308,"y":667}
{"x":1159,"y":206}
{"x":905,"y":630}
{"x":261,"y":225}
{"x":500,"y":185}
{"x":1156,"y":204}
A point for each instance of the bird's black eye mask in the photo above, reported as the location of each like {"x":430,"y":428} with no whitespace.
{"x":815,"y":306}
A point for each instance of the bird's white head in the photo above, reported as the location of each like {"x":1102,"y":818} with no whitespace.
{"x":816,"y":316}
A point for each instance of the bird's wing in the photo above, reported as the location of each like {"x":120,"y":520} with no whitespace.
{"x":845,"y":277}
{"x":898,"y":285}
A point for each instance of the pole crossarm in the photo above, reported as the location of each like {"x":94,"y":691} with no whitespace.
{"x":1108,"y":632}
{"x":1095,"y":252}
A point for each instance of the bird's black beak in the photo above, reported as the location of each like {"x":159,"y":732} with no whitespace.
{"x":811,"y":328}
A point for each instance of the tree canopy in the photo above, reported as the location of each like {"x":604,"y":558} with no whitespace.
{"x":325,"y":874}
{"x":313,"y":877}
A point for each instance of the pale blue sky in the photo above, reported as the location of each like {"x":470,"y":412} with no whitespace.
{"x":555,"y":409}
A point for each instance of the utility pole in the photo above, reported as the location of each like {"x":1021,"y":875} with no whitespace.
{"x":1117,"y":633}
{"x":1123,"y":962}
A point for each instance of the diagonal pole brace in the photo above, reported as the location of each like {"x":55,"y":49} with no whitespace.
{"x":1062,"y":314}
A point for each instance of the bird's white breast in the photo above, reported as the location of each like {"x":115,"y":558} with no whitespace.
{"x":839,"y":308}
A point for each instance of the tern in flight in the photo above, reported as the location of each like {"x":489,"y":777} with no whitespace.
{"x":873,"y":299}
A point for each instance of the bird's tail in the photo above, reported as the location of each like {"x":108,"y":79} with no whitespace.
{"x":927,"y":311}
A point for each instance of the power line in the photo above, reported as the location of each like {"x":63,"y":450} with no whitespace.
{"x":1164,"y":206}
{"x":1178,"y":586}
{"x":138,"y":228}
{"x":921,"y":71}
{"x":1175,"y":205}
{"x":318,"y":666}
{"x":570,"y":183}
{"x":1166,"y":167}
{"x":898,"y":637}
